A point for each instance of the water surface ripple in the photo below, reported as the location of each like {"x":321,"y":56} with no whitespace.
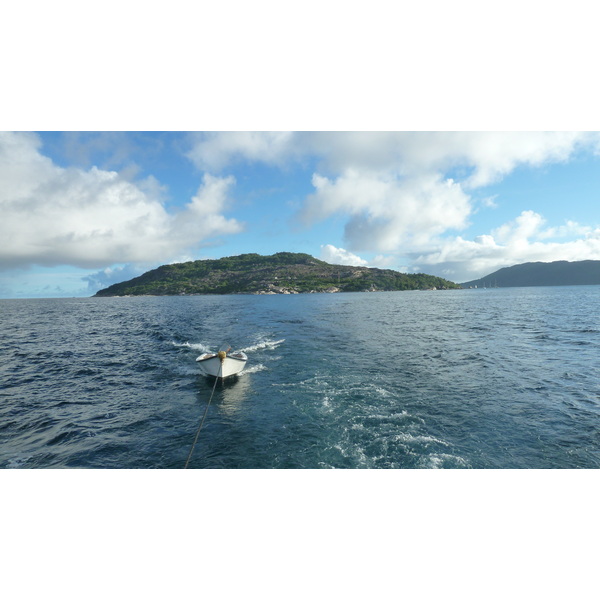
{"x":502,"y":378}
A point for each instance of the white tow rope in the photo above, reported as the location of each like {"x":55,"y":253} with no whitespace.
{"x":205,"y":413}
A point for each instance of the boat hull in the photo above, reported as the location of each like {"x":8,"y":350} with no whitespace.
{"x":232,"y":364}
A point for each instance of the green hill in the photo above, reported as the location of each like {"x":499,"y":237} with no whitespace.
{"x":281,"y":273}
{"x":562,"y":272}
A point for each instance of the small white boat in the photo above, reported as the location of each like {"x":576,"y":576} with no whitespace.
{"x":223,"y":363}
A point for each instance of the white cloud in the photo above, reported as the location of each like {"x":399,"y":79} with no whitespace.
{"x":494,"y":155}
{"x":569,"y":229}
{"x":93,"y":218}
{"x":384,"y":262}
{"x":516,"y":242}
{"x":217,"y":150}
{"x":202,"y":218}
{"x":386,"y":214}
{"x":490,"y":201}
{"x":528,"y":224}
{"x":484,"y":156}
{"x":339,"y":256}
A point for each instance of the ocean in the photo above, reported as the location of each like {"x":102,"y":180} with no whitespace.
{"x":502,"y":378}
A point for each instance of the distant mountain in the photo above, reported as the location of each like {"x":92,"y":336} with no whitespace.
{"x":561,"y":272}
{"x":281,"y":273}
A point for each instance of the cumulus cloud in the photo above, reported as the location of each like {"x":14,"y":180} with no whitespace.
{"x":483,"y":156}
{"x":214,"y":151}
{"x":339,"y":256}
{"x":386,"y":214}
{"x":202,"y":218}
{"x":519,"y":241}
{"x":528,"y":224}
{"x":93,"y":218}
{"x":569,"y":229}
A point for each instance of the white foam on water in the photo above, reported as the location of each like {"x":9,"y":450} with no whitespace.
{"x":439,"y":461}
{"x":252,"y":369}
{"x":192,"y":346}
{"x":327,"y":404}
{"x":187,"y":371}
{"x":418,"y":439}
{"x":398,"y":416}
{"x":383,"y":392}
{"x":266,"y":345}
{"x":17,"y":463}
{"x":354,"y":452}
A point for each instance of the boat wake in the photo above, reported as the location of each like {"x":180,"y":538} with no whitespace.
{"x":197,"y":347}
{"x":202,"y":348}
{"x":265,"y":345}
{"x":252,"y":369}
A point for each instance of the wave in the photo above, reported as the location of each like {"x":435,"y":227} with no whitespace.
{"x":443,"y":461}
{"x":408,"y":438}
{"x":266,"y":345}
{"x":253,"y":369}
{"x":17,"y":462}
{"x":197,"y":347}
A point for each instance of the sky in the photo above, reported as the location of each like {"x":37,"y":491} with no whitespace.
{"x":83,"y":210}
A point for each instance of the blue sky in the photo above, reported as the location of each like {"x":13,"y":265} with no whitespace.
{"x":82,"y":210}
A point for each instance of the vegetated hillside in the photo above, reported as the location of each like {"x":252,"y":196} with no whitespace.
{"x":281,"y":273}
{"x":561,"y":272}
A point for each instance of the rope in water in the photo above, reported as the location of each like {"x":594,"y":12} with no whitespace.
{"x":203,"y":417}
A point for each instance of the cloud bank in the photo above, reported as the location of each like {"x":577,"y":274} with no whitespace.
{"x":521,"y":240}
{"x":93,"y":218}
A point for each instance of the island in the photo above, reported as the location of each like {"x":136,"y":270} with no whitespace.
{"x":281,"y":273}
{"x":560,"y":272}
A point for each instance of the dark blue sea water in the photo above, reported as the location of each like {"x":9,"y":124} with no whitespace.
{"x":497,"y":378}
